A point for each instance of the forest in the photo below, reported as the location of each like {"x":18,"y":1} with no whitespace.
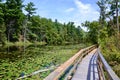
{"x":18,"y":28}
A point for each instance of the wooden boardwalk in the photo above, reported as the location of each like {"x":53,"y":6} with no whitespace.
{"x":87,"y":64}
{"x":87,"y":68}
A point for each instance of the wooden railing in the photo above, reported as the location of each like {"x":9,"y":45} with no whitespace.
{"x":69,"y":66}
{"x":103,"y":67}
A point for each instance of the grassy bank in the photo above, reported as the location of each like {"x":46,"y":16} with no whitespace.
{"x":27,"y":43}
{"x":35,"y":58}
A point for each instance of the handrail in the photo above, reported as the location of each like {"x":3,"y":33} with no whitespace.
{"x":56,"y":74}
{"x":110,"y":72}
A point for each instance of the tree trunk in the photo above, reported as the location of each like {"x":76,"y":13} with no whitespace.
{"x":117,"y":20}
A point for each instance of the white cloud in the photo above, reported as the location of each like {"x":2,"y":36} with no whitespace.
{"x":84,"y":12}
{"x":83,"y":8}
{"x":69,"y":10}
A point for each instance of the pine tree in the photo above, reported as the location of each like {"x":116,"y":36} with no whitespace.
{"x":30,"y":9}
{"x":2,"y":26}
{"x":13,"y":19}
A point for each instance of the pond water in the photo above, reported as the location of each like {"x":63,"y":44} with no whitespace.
{"x":15,"y":52}
{"x":17,"y":60}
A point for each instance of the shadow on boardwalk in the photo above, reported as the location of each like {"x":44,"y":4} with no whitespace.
{"x":92,"y":69}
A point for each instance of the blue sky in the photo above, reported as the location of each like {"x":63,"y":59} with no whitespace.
{"x":76,"y":11}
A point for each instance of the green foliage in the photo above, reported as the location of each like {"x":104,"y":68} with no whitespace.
{"x":53,"y":32}
{"x":109,"y":33}
{"x":2,"y":26}
{"x":35,"y":58}
{"x":93,"y":31}
{"x":30,"y":9}
{"x":15,"y":26}
{"x":112,"y":14}
{"x":111,"y":52}
{"x":42,"y":29}
{"x":102,"y":6}
{"x":13,"y":18}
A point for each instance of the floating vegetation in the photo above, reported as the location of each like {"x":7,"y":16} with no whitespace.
{"x":16,"y":63}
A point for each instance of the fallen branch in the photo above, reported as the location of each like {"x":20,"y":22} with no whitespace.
{"x":36,"y":72}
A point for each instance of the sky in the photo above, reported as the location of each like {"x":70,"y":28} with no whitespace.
{"x":77,"y":11}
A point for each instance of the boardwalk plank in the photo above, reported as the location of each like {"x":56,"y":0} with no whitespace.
{"x":87,"y":69}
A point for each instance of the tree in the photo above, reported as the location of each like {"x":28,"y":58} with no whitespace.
{"x":13,"y":17}
{"x":80,"y":34}
{"x":117,"y":15}
{"x":30,"y":9}
{"x":109,"y":9}
{"x":2,"y":26}
{"x":93,"y":29}
{"x":114,"y":11}
{"x":13,"y":23}
{"x":102,"y":6}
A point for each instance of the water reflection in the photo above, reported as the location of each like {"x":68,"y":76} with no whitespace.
{"x":10,"y":53}
{"x":16,"y":52}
